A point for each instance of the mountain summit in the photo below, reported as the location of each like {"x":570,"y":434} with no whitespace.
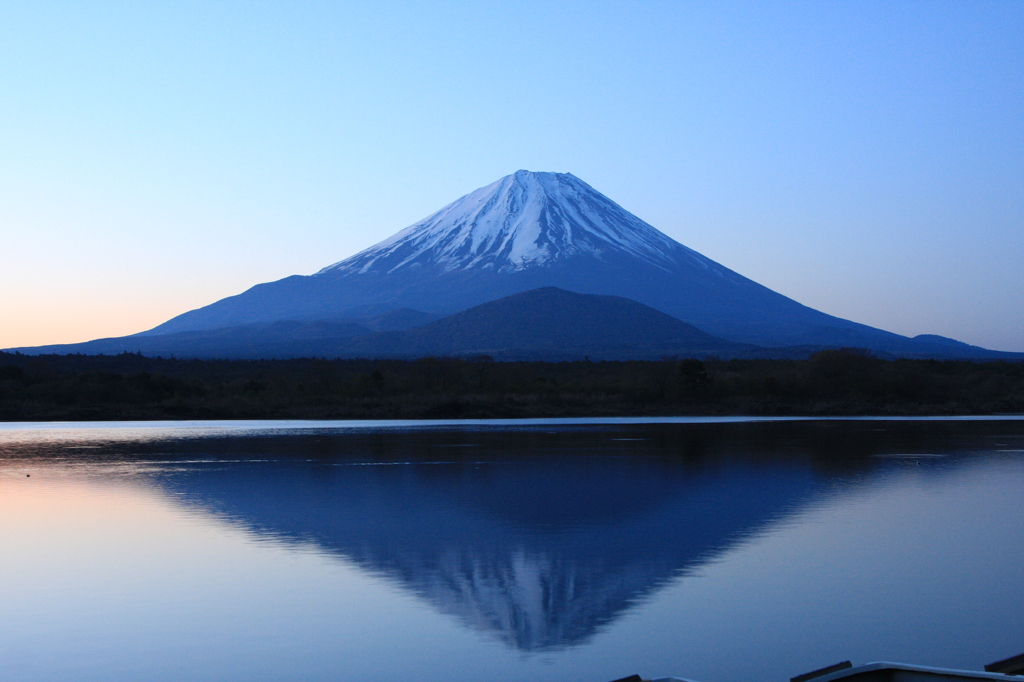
{"x":523,"y":220}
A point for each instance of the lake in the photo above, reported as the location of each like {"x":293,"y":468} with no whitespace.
{"x":720,"y":549}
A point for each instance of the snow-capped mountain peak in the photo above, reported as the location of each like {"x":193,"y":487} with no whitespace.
{"x":523,"y":220}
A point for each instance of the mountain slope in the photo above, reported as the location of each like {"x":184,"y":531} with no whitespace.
{"x":284,"y":339}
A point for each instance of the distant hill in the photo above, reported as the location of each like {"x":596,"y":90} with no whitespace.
{"x":551,"y":324}
{"x":402,"y":318}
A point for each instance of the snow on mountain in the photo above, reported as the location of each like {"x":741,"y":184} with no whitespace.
{"x":521,"y":221}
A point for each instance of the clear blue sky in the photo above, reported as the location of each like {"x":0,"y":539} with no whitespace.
{"x":864,"y":158}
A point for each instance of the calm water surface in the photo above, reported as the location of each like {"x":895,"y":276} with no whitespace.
{"x":716,"y":549}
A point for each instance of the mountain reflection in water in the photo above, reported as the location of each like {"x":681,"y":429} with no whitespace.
{"x":541,"y":549}
{"x":720,"y":551}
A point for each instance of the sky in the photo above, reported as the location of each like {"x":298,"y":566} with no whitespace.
{"x":864,"y":158}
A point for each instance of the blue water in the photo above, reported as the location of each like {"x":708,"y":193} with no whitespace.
{"x":714,"y":549}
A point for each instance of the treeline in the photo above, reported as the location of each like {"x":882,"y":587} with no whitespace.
{"x":835,"y":382}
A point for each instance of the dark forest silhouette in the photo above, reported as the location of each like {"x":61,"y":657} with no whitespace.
{"x":835,"y":382}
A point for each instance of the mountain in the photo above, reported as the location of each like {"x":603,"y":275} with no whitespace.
{"x":524,"y":232}
{"x":527,"y":231}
